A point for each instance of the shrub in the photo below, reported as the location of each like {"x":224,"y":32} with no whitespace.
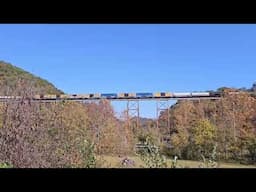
{"x":151,"y":156}
{"x":5,"y":165}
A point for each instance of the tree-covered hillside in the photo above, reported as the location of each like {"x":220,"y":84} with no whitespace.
{"x":229,"y":124}
{"x":11,"y":77}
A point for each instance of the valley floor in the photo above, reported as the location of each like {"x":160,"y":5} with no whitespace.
{"x":115,"y":162}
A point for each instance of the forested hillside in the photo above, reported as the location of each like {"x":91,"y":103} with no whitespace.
{"x":11,"y":77}
{"x":227,"y":125}
{"x":62,"y":134}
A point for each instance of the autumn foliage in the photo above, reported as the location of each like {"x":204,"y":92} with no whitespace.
{"x":73,"y":134}
{"x":230,"y":124}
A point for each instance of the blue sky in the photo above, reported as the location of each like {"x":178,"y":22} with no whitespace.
{"x":133,"y":58}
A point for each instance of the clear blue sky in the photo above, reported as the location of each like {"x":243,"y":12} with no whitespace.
{"x":134,"y":58}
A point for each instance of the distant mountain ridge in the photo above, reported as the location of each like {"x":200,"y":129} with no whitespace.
{"x":10,"y":76}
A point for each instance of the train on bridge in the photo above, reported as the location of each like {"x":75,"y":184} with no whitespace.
{"x":129,"y":95}
{"x":121,"y":96}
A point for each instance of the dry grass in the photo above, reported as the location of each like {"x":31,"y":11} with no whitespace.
{"x":114,"y":162}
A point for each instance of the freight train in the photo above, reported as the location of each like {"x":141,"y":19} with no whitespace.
{"x":127,"y":95}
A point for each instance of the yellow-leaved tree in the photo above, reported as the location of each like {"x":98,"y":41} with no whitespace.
{"x":203,"y":138}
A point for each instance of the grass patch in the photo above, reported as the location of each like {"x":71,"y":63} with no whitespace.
{"x":115,"y":162}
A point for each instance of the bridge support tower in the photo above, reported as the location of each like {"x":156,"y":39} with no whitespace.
{"x":163,"y":113}
{"x":133,"y":112}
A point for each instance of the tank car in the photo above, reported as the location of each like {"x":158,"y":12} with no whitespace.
{"x":182,"y":94}
{"x":200,"y":94}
